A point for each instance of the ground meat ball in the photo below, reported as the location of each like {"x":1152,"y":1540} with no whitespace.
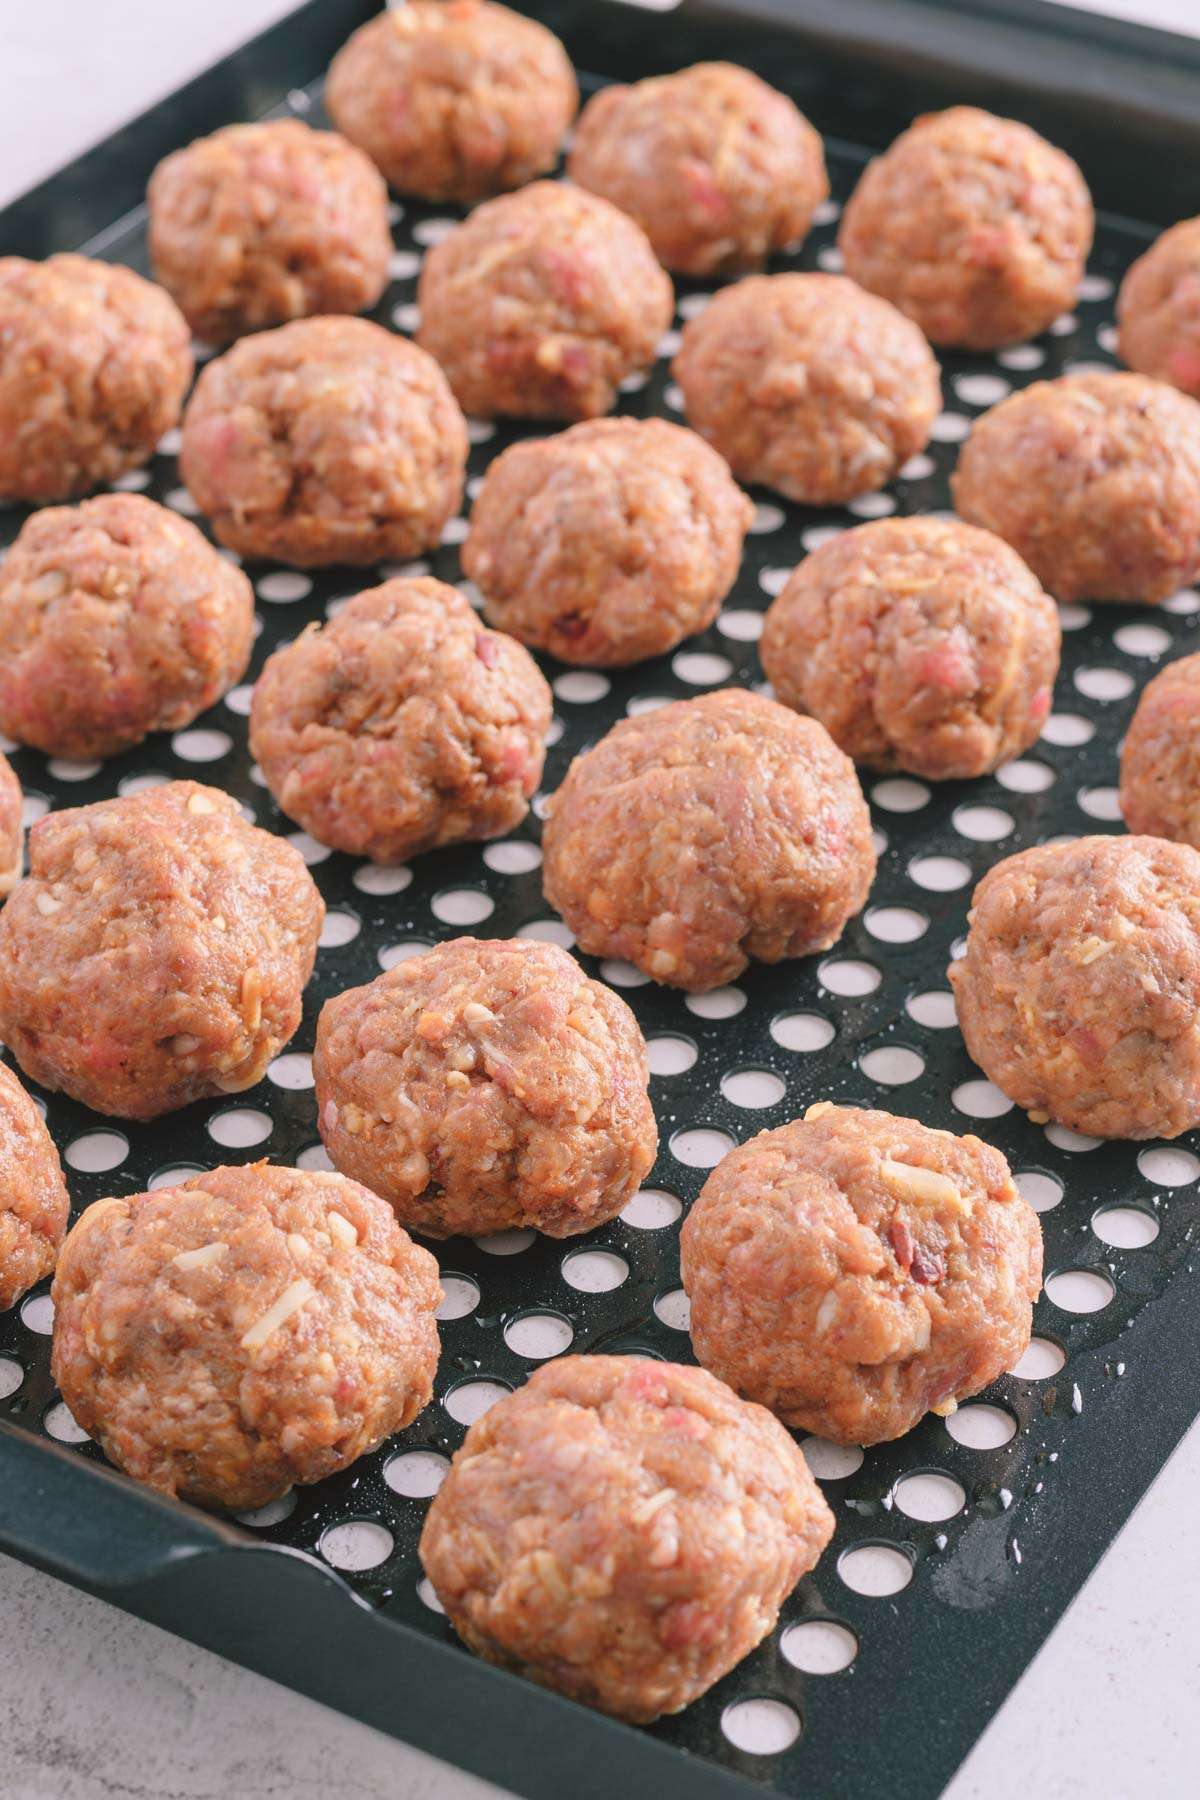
{"x":12,"y":843}
{"x":250,"y":1329}
{"x":454,"y":101}
{"x":541,"y":302}
{"x":697,"y":836}
{"x":483,"y":1086}
{"x":117,"y":618}
{"x":157,"y":951}
{"x":717,"y":168}
{"x":1160,"y":758}
{"x":259,"y":224}
{"x":402,"y":725}
{"x":852,"y":1270}
{"x":974,"y":226}
{"x":920,"y":644}
{"x":622,"y":1530}
{"x":809,"y":385}
{"x":33,"y":1194}
{"x":327,"y":440}
{"x":1094,"y":480}
{"x":94,"y":364}
{"x":1079,"y":991}
{"x":608,"y":543}
{"x":1158,"y":309}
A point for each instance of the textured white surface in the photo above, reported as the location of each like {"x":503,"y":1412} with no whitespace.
{"x":97,"y":1706}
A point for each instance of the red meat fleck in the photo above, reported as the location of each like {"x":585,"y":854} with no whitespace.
{"x":487,"y":650}
{"x":927,"y":1268}
{"x":901,"y":1240}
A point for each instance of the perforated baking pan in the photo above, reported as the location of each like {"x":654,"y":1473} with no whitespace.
{"x":1106,"y":1394}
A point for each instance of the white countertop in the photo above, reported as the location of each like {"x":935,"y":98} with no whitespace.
{"x":95,"y":1705}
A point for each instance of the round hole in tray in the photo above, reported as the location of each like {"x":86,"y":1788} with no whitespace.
{"x":1041,"y":1359}
{"x":981,"y":1100}
{"x":356,"y":1545}
{"x":548,"y":931}
{"x":96,"y":1152}
{"x":935,"y":1009}
{"x":1079,"y":1290}
{"x":1063,"y":1138}
{"x":929,"y":1495}
{"x":1125,"y":1227}
{"x":37,"y":1312}
{"x":829,"y":1461}
{"x":341,"y":927}
{"x":417,"y":1474}
{"x":240,"y":1127}
{"x":462,"y":906}
{"x":1042,"y":1190}
{"x":512,"y":857}
{"x":173,"y":1175}
{"x":802,"y":1032}
{"x":460,"y":1296}
{"x":273,"y":1513}
{"x":1169,"y":1165}
{"x":674,"y":1310}
{"x":875,"y":1569}
{"x":819,"y":1646}
{"x":939,"y":874}
{"x":427,"y":1596}
{"x":753,"y":1089}
{"x":980,"y":1426}
{"x":892,"y":1065}
{"x":718,"y":1003}
{"x":468,"y":1400}
{"x":761,"y":1727}
{"x":11,"y":1376}
{"x":58,"y":1422}
{"x":700,"y":1147}
{"x":652,"y":1209}
{"x":623,"y":974}
{"x":594,"y":1271}
{"x":537,"y":1336}
{"x":848,"y":978}
{"x":670,"y":1055}
{"x":506,"y":1243}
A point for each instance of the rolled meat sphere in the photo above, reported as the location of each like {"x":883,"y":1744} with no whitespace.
{"x":852,"y":1271}
{"x":718,"y":168}
{"x":94,"y":364}
{"x":484,"y":1086}
{"x":974,"y":226}
{"x":117,"y":618}
{"x":607,"y":543}
{"x":33,"y":1195}
{"x":1158,"y":309}
{"x":248,"y":1330}
{"x":455,"y":100}
{"x":1160,"y":757}
{"x":1094,"y":480}
{"x":541,"y":302}
{"x":325,"y":441}
{"x":622,"y":1530}
{"x":807,"y":384}
{"x":1079,"y":988}
{"x":920,"y":644}
{"x":710,"y":831}
{"x":157,"y":951}
{"x":402,"y":725}
{"x":12,"y":833}
{"x":259,"y":224}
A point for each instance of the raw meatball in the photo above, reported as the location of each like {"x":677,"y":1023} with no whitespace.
{"x":259,"y":224}
{"x":622,"y":1530}
{"x":250,"y":1329}
{"x":454,"y":101}
{"x":609,"y":543}
{"x":717,"y":168}
{"x":94,"y":364}
{"x":327,"y":440}
{"x":1079,"y":990}
{"x":852,"y":1270}
{"x":1094,"y":480}
{"x":809,"y":385}
{"x":12,"y":837}
{"x":1158,"y":309}
{"x":1160,"y":758}
{"x":117,"y":618}
{"x":402,"y":725}
{"x":974,"y":226}
{"x":695,"y":837}
{"x":33,"y":1195}
{"x":157,"y":951}
{"x":539,"y":303}
{"x":483,"y":1086}
{"x":920,"y":644}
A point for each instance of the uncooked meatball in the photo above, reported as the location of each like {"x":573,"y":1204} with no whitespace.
{"x":717,"y":168}
{"x":622,"y":1530}
{"x":1094,"y":480}
{"x":117,"y":618}
{"x":1160,"y":757}
{"x":33,"y":1195}
{"x":402,"y":725}
{"x":695,"y":837}
{"x":94,"y":364}
{"x":974,"y":226}
{"x":853,"y":1271}
{"x":1079,"y":989}
{"x":919,"y":644}
{"x":809,"y":385}
{"x":1158,"y":309}
{"x":608,"y":543}
{"x":454,"y":101}
{"x":259,"y":224}
{"x":12,"y":836}
{"x":539,"y":303}
{"x":250,"y":1329}
{"x":156,"y":952}
{"x":325,"y":441}
{"x":484,"y":1086}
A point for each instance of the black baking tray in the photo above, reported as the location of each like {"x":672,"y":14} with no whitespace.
{"x":936,"y":1659}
